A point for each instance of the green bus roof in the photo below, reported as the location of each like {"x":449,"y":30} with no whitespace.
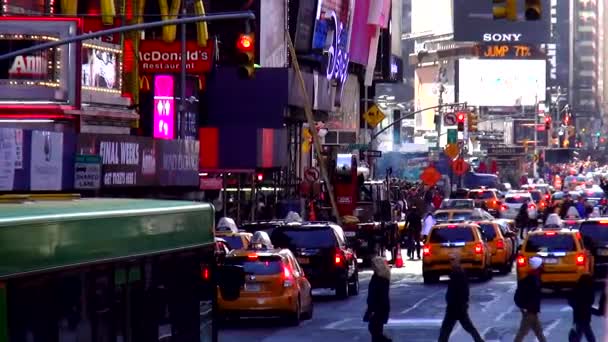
{"x":42,"y":235}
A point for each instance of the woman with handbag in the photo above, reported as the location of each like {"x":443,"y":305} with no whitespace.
{"x":378,"y":303}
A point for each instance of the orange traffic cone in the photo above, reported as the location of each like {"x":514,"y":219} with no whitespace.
{"x":398,"y":258}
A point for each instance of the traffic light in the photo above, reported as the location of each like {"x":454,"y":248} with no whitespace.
{"x":472,"y":120}
{"x":533,"y":9}
{"x":505,"y":9}
{"x":547,"y":122}
{"x":598,"y":133}
{"x":567,"y":119}
{"x":460,"y":119}
{"x":260,"y":177}
{"x":245,"y":46}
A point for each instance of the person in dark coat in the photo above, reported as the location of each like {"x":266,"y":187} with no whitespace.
{"x":523,"y":219}
{"x":378,"y":302}
{"x":457,"y":298}
{"x":527,"y":298}
{"x":581,"y":301}
{"x":414,"y":232}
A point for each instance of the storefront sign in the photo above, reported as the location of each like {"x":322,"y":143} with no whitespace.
{"x":87,"y":172}
{"x":156,"y":56}
{"x":140,"y":161}
{"x":337,"y":57}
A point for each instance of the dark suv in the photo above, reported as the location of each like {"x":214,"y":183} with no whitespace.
{"x":321,"y":251}
{"x":595,"y":238}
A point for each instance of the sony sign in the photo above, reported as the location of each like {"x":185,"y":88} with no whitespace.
{"x":502,"y":37}
{"x":336,"y":57}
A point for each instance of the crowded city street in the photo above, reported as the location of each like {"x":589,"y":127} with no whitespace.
{"x":416,"y":314}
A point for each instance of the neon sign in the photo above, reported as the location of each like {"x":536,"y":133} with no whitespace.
{"x":164,"y":107}
{"x":337,"y":57}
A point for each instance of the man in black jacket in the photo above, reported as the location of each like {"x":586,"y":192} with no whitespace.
{"x":527,"y":298}
{"x":414,"y":231}
{"x":457,"y":298}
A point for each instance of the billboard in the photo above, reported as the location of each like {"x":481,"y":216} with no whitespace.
{"x":164,"y":107}
{"x":44,"y":76}
{"x":489,"y":82}
{"x":474,"y":22}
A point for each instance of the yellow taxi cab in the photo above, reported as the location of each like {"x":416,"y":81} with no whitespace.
{"x":465,"y":239}
{"x":500,"y":242}
{"x":457,"y":215}
{"x":275,"y":284}
{"x":487,"y":196}
{"x":227,"y":230}
{"x":565,"y":258}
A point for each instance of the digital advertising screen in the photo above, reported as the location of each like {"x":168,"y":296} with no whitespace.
{"x":494,"y":83}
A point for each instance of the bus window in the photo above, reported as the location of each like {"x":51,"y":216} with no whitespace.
{"x":31,"y":306}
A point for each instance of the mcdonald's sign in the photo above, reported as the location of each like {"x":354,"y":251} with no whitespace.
{"x":144,"y":83}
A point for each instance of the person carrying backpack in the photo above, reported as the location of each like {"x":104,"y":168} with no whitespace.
{"x":527,"y":298}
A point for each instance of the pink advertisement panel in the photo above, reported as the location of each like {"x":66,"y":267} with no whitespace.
{"x":361,"y":33}
{"x":164,"y":107}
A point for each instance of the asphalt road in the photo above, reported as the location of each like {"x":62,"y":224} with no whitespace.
{"x":416,"y":314}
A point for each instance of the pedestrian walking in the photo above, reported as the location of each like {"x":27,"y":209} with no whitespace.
{"x":581,"y":300}
{"x":378,"y":303}
{"x":414,"y":230}
{"x":457,"y":299}
{"x":427,"y":224}
{"x":527,"y":298}
{"x":523,"y":219}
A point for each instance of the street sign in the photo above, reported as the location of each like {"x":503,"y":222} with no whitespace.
{"x":460,"y":167}
{"x":506,"y":150}
{"x":373,"y":116}
{"x":372,"y":154}
{"x":312,"y":174}
{"x":449,"y":119}
{"x":452,"y":136}
{"x":452,"y":150}
{"x":430,"y":176}
{"x":87,"y":172}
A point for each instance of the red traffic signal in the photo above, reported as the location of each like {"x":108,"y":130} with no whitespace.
{"x":259,"y":177}
{"x":245,"y":43}
{"x":460,"y":117}
{"x":567,"y":119}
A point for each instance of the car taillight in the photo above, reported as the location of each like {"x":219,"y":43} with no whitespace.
{"x":521,"y":261}
{"x":500,"y":244}
{"x":531,"y":206}
{"x":478,"y":248}
{"x":426,"y":251}
{"x":287,"y":276}
{"x":603,"y":201}
{"x":339,"y":257}
{"x":504,"y":207}
{"x":580,"y":259}
{"x":547,"y":197}
{"x":205,"y":273}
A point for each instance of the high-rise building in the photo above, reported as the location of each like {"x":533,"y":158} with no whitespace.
{"x":585,"y":48}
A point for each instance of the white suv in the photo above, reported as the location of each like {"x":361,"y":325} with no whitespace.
{"x":513,"y":202}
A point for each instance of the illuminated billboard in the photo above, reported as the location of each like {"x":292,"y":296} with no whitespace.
{"x":45,"y":77}
{"x":164,"y":107}
{"x":505,"y":82}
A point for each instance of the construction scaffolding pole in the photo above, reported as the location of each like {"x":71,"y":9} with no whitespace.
{"x":315,"y":136}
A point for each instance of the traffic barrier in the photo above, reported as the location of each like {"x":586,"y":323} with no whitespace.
{"x":398,"y":258}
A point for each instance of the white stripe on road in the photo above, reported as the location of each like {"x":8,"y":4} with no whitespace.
{"x":551,"y":326}
{"x":503,"y":314}
{"x":335,"y":324}
{"x":418,"y":303}
{"x":392,"y":323}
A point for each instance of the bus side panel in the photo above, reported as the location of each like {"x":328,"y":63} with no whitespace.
{"x":3,"y":314}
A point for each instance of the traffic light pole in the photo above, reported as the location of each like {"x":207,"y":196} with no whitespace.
{"x":409,"y":115}
{"x":135,"y":27}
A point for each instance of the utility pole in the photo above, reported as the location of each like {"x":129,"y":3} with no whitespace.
{"x":439,"y":114}
{"x":536,"y":123}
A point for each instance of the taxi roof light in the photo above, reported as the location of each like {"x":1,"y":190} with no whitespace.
{"x":252,"y":256}
{"x":550,"y":233}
